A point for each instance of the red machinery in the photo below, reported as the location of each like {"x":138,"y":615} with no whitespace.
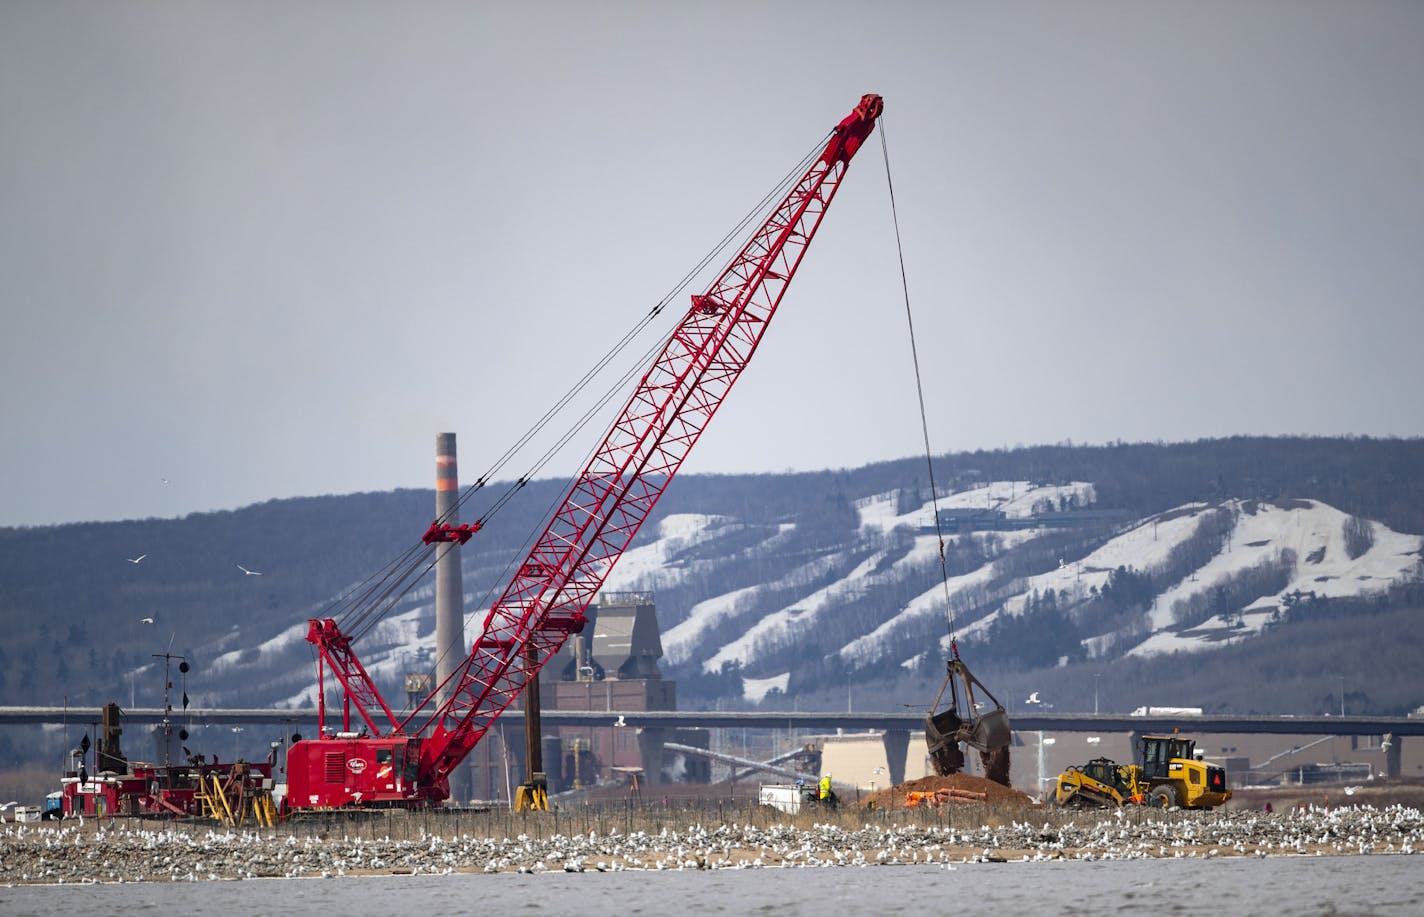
{"x":408,"y":761}
{"x":177,"y":790}
{"x":197,"y":787}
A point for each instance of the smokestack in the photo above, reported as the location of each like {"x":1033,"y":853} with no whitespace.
{"x":449,"y":585}
{"x":450,"y":648}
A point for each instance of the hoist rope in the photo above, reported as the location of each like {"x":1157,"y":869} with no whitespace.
{"x":637,"y":367}
{"x":919,"y":385}
{"x":363,"y":606}
{"x":756,"y":214}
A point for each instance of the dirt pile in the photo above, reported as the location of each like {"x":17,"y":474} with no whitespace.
{"x":993,"y":793}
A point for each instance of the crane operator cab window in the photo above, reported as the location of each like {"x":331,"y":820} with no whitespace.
{"x":410,"y":768}
{"x":385,"y":769}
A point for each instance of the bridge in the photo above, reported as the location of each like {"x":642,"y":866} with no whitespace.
{"x":822,"y":722}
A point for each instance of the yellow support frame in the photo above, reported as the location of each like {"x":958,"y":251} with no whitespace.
{"x":217,"y":807}
{"x":529,"y":798}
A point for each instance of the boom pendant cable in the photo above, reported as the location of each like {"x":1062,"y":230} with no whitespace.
{"x":363,"y":605}
{"x":919,"y":387}
{"x":619,"y":388}
{"x":755,"y":214}
{"x":366,"y":604}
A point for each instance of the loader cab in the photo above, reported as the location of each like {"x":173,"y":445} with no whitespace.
{"x":1158,"y":752}
{"x":1178,"y":777}
{"x":1104,"y":771}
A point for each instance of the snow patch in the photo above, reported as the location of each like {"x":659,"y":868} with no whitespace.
{"x":292,"y":636}
{"x":775,"y":627}
{"x":680,"y":642}
{"x":754,"y":690}
{"x":647,"y":567}
{"x":1314,"y":532}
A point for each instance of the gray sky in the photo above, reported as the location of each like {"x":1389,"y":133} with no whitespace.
{"x":270,"y":249}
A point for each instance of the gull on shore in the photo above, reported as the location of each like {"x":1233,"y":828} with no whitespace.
{"x":145,"y":853}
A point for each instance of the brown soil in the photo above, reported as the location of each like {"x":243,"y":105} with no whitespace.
{"x":994,"y":793}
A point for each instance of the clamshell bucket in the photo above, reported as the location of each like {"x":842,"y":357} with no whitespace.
{"x":942,"y":737}
{"x":990,"y":733}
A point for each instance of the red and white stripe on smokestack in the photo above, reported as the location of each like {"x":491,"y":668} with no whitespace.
{"x":447,"y":474}
{"x":447,"y":480}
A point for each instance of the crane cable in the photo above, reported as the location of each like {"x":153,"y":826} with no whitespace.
{"x":363,"y":606}
{"x":755,"y":215}
{"x":634,"y":368}
{"x":919,"y":387}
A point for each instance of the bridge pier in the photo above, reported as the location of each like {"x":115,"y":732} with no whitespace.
{"x":897,"y":749}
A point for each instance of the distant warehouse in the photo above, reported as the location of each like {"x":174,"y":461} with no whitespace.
{"x":993,"y":520}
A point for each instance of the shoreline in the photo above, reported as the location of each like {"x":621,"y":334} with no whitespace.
{"x":119,"y":851}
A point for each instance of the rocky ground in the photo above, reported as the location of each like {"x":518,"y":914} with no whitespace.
{"x":137,"y":851}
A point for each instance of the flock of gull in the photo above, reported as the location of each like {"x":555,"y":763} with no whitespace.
{"x":140,"y":852}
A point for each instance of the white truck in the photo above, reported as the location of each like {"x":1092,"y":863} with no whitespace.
{"x":788,"y":797}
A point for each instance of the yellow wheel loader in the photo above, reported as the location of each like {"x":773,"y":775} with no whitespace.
{"x":1167,"y":775}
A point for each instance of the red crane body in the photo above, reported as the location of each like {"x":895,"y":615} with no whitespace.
{"x":408,"y":761}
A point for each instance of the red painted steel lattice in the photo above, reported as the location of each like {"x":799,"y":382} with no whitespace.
{"x":612,"y":496}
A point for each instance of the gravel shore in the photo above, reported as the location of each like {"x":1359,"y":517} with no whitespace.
{"x":124,"y":851}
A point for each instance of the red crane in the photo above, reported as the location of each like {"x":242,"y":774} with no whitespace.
{"x":408,"y":761}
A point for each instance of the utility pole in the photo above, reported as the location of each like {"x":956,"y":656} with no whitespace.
{"x":1042,"y":775}
{"x":167,"y":703}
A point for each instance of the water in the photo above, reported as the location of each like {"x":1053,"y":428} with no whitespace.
{"x":1239,"y":887}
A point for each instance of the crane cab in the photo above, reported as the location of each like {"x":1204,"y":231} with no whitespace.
{"x":348,"y":769}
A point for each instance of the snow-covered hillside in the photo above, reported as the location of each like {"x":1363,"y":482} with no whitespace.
{"x":768,"y":645}
{"x":1313,"y":533}
{"x":765,"y":600}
